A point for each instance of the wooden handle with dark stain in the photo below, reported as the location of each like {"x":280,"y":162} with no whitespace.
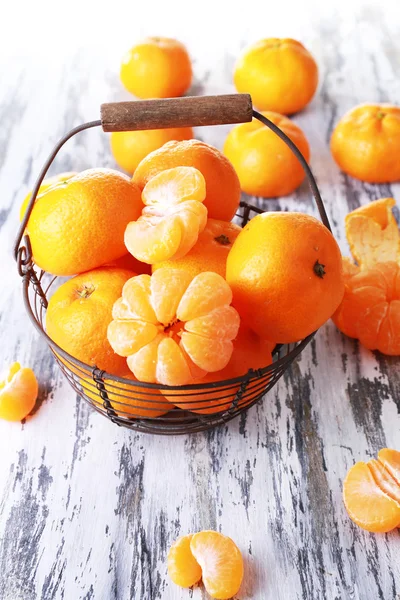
{"x":189,"y":111}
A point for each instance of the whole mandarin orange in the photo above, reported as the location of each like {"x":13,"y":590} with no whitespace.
{"x":79,"y":224}
{"x":279,"y":73}
{"x":209,"y":252}
{"x":157,"y":67}
{"x":222,"y":183}
{"x":130,"y":147}
{"x":266,"y":166}
{"x":366,"y":143}
{"x":46,"y":184}
{"x":79,"y":313}
{"x":285,"y":272}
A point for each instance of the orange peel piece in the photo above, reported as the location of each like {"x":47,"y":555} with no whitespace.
{"x":18,"y":393}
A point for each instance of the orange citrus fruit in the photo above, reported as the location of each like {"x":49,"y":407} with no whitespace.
{"x":280,"y":74}
{"x":79,"y":224}
{"x":371,"y":492}
{"x":130,"y":147}
{"x":222,"y":183}
{"x":78,"y":315}
{"x":46,"y":184}
{"x":174,"y":328}
{"x":209,"y":252}
{"x":18,"y":393}
{"x":173,"y":216}
{"x":221,"y":563}
{"x":285,"y":271}
{"x":131,"y":263}
{"x":266,"y":166}
{"x":157,"y":67}
{"x":366,"y":143}
{"x":183,"y":568}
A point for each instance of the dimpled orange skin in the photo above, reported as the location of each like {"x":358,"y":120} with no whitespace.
{"x":285,"y":272}
{"x":222,"y":182}
{"x":264,"y":163}
{"x":130,"y":147}
{"x":47,"y":184}
{"x":280,"y":74}
{"x":210,"y":251}
{"x":18,"y":393}
{"x":157,"y":67}
{"x":78,"y":315}
{"x":366,"y":143}
{"x":79,"y":225}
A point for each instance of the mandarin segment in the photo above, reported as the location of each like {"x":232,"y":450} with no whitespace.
{"x":221,"y":563}
{"x":391,"y":460}
{"x":384,"y":479}
{"x":18,"y":393}
{"x":183,"y":568}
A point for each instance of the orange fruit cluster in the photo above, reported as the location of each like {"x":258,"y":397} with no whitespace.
{"x":370,"y":310}
{"x":371,"y":492}
{"x":210,"y":556}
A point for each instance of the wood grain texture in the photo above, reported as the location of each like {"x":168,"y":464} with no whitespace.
{"x":87,"y":509}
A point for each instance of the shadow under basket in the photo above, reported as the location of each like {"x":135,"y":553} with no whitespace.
{"x":148,"y":407}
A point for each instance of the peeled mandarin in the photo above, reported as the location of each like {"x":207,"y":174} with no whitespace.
{"x":18,"y":393}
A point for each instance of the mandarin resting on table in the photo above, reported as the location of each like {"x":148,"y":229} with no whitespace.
{"x":130,"y":147}
{"x":174,"y":328}
{"x":78,"y":315}
{"x":222,"y":183}
{"x":183,"y":568}
{"x":210,"y":252}
{"x":371,"y":492}
{"x":266,"y":166}
{"x":280,"y":74}
{"x":157,"y":67}
{"x":366,"y":143}
{"x":249,"y":352}
{"x":18,"y":393}
{"x":173,"y":217}
{"x":79,"y":224}
{"x":45,"y":185}
{"x":285,"y":271}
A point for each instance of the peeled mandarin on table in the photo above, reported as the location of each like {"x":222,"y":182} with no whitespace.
{"x":174,"y":328}
{"x":266,"y":166}
{"x":131,"y":147}
{"x":46,"y":184}
{"x":18,"y":393}
{"x":210,"y":252}
{"x":366,"y":143}
{"x":279,"y":73}
{"x":173,"y":216}
{"x":79,"y":313}
{"x":79,"y":224}
{"x":285,"y":272}
{"x":222,"y":183}
{"x":371,"y":492}
{"x":157,"y":67}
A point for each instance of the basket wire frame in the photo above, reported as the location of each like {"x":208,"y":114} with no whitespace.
{"x":149,"y":407}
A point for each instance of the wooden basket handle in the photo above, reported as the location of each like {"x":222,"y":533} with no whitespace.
{"x":189,"y":111}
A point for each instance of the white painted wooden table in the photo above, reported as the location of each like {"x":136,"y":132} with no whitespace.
{"x":87,"y":509}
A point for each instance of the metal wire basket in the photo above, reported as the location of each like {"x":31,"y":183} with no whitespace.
{"x":148,"y":407}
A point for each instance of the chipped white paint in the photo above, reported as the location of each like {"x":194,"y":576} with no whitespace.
{"x":88,"y":510}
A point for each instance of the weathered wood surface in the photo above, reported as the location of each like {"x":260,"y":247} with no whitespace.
{"x":88,"y":510}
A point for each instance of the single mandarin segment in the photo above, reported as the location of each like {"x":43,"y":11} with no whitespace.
{"x":210,"y":252}
{"x":46,"y":184}
{"x":157,"y":67}
{"x":129,"y":148}
{"x":183,"y":568}
{"x":173,"y":217}
{"x":371,"y":492}
{"x":221,"y":563}
{"x":78,"y":315}
{"x":266,"y":166}
{"x":249,"y":352}
{"x":366,"y":143}
{"x":373,"y":234}
{"x":174,"y":328}
{"x":18,"y":393}
{"x":285,"y":272}
{"x":280,"y":74}
{"x":79,"y":224}
{"x":222,"y":183}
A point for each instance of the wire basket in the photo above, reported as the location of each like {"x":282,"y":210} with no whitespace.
{"x":148,"y":407}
